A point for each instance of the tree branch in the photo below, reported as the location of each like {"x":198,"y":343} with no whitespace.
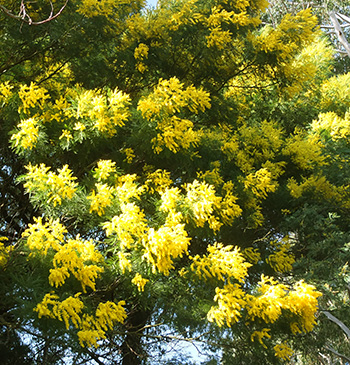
{"x":339,"y":32}
{"x":338,"y":322}
{"x":331,"y":349}
{"x":23,"y":14}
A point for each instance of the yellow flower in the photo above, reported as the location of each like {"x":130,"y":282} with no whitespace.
{"x":231,"y":301}
{"x":5,"y":92}
{"x":269,"y":301}
{"x":282,"y":259}
{"x":67,"y":310}
{"x":158,"y":180}
{"x":252,"y":255}
{"x":105,"y":112}
{"x":27,"y":135}
{"x":32,"y":96}
{"x":44,"y":236}
{"x":128,"y":189}
{"x":202,"y":200}
{"x":124,"y":262}
{"x":79,"y":258}
{"x":66,"y":134}
{"x":101,"y":199}
{"x":78,"y":126}
{"x":223,"y":262}
{"x":166,"y":243}
{"x":130,"y":154}
{"x":260,"y":183}
{"x":4,"y":251}
{"x":104,"y":169}
{"x":260,"y":335}
{"x":54,"y":186}
{"x":108,"y":313}
{"x":302,"y":300}
{"x":140,"y":282}
{"x":141,"y":51}
{"x":283,"y":351}
{"x":129,"y":227}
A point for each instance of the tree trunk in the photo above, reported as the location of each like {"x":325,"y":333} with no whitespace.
{"x":132,"y":348}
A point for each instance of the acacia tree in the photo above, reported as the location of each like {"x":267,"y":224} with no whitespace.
{"x":173,"y":165}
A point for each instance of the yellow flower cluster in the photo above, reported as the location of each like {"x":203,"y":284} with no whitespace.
{"x":267,"y":304}
{"x":92,"y":8}
{"x":104,"y":169}
{"x":260,"y":183}
{"x":67,"y":310}
{"x":336,"y":93}
{"x":222,"y":262}
{"x":270,"y":301}
{"x":91,"y":328}
{"x":101,"y":199}
{"x":218,"y":38}
{"x":282,"y":259}
{"x":230,"y":304}
{"x":54,"y":187}
{"x":76,"y":256}
{"x":127,"y":189}
{"x":5,"y":92}
{"x":106,"y":112}
{"x":336,"y":126}
{"x":171,"y":198}
{"x":108,"y":313}
{"x":32,"y":96}
{"x":304,"y":151}
{"x":170,"y":97}
{"x":202,"y":200}
{"x":319,"y":185}
{"x":140,"y":53}
{"x":302,"y":301}
{"x":252,"y":255}
{"x":130,"y":226}
{"x":27,"y":135}
{"x":272,"y":298}
{"x":4,"y":251}
{"x":177,"y":133}
{"x":252,"y":144}
{"x":44,"y":236}
{"x":213,"y":176}
{"x":66,"y":134}
{"x":292,"y":31}
{"x":140,"y":282}
{"x":158,"y":180}
{"x":283,"y":351}
{"x":129,"y":154}
{"x":166,"y":243}
{"x":59,"y":109}
{"x":260,"y":335}
{"x":71,"y":258}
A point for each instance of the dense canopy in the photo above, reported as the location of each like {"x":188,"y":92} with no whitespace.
{"x":171,"y":175}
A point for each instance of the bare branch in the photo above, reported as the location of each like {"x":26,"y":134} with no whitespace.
{"x":24,"y":17}
{"x":339,"y":32}
{"x":343,"y":17}
{"x":331,"y":349}
{"x":337,"y":321}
